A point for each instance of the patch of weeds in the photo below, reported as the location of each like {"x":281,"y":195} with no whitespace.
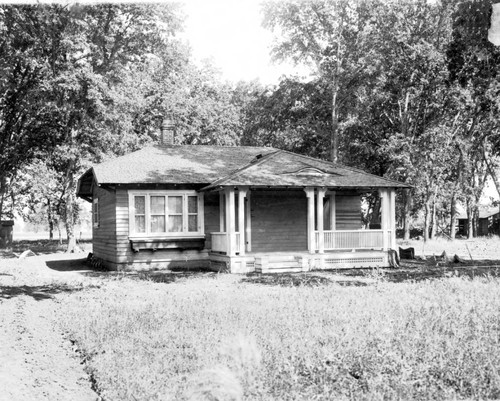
{"x":171,"y":276}
{"x":288,"y":280}
{"x":376,"y":274}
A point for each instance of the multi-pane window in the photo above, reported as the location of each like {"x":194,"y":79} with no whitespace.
{"x":171,"y":213}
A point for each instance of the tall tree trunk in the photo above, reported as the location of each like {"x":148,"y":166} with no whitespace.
{"x":434,"y":221}
{"x":453,"y":216}
{"x":407,"y":205}
{"x":475,"y":221}
{"x":59,"y":232}
{"x":334,"y":137}
{"x":50,"y":219}
{"x":427,"y":220}
{"x":3,"y":192}
{"x":70,"y":210}
{"x":470,"y":218}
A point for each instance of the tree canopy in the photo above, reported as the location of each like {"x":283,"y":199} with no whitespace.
{"x":408,"y":90}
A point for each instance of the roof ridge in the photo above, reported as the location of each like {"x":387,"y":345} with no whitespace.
{"x":343,"y":166}
{"x":206,"y":146}
{"x":245,"y":167}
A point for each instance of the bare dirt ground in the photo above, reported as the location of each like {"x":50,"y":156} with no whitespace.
{"x":36,"y":361}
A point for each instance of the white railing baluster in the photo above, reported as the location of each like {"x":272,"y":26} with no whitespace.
{"x":352,"y":239}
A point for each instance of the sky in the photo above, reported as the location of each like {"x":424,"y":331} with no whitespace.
{"x":230,"y":34}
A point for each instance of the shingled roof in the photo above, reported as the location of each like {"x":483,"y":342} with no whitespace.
{"x":286,"y":169}
{"x":217,"y":166}
{"x":175,"y":164}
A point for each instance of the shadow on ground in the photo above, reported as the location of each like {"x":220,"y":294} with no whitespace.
{"x":69,"y":265}
{"x":38,"y":293}
{"x":83,"y":267}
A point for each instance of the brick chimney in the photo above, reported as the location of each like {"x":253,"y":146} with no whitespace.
{"x":167,"y":130}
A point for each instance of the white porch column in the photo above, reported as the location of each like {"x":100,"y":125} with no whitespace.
{"x":230,"y":221}
{"x":242,"y":193}
{"x":311,"y":240}
{"x":319,"y":220}
{"x":221,"y":212}
{"x":333,"y":210}
{"x":385,"y":217}
{"x":248,"y":225}
{"x":392,"y":226}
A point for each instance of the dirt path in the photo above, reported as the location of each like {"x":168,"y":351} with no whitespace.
{"x":36,"y":361}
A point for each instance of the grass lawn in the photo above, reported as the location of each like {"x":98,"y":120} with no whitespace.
{"x":419,"y":332}
{"x":221,"y":337}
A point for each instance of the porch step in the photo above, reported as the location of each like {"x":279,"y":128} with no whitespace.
{"x":277,"y":264}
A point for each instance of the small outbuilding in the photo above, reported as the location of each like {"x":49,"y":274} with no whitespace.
{"x":239,"y":209}
{"x":488,"y":222}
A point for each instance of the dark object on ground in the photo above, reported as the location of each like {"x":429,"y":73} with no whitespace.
{"x":408,"y":253}
{"x":443,"y":258}
{"x":458,"y":259}
{"x":393,"y":258}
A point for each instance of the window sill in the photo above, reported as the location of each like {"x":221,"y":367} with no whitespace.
{"x":178,"y":243}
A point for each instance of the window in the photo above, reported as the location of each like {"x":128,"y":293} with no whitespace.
{"x":95,"y":212}
{"x":166,"y":213}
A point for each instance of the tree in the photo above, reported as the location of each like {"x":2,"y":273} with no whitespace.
{"x":333,"y":38}
{"x":293,"y":115}
{"x":78,"y":54}
{"x":27,"y":53}
{"x":473,"y":65}
{"x":40,"y":195}
{"x":406,"y":112}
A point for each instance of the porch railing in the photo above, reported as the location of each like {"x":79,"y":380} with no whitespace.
{"x":353,"y":239}
{"x":219,"y":242}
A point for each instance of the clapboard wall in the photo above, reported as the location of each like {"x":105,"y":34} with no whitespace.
{"x":104,"y":235}
{"x":348,"y":212}
{"x":279,"y":221}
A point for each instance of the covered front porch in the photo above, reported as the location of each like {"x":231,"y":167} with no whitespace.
{"x":298,"y":229}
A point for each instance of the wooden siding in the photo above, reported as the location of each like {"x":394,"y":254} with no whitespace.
{"x":348,"y":212}
{"x":279,"y":221}
{"x":104,"y":236}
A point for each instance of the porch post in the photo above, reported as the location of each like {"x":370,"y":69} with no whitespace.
{"x":248,"y":225}
{"x":319,"y":219}
{"x":333,"y":210}
{"x":230,"y":221}
{"x":221,"y":212}
{"x":242,"y":193}
{"x":385,"y":216}
{"x":311,"y":240}
{"x":392,"y":226}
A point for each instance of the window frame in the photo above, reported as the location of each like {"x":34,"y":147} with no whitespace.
{"x":185,"y":233}
{"x":96,"y":218}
